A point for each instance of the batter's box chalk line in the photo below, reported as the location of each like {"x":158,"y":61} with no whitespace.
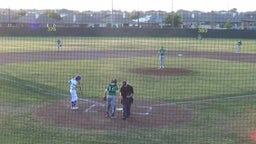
{"x":94,"y":104}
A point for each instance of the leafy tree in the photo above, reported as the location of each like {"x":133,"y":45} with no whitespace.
{"x":134,"y":15}
{"x":173,"y":19}
{"x":20,"y":13}
{"x":53,"y":15}
{"x":228,"y":24}
{"x":233,"y":10}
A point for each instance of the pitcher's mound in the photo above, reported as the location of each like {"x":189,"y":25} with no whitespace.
{"x":91,"y":115}
{"x":162,"y":71}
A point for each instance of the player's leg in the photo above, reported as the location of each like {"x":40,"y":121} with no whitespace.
{"x":238,"y":48}
{"x":125,"y":108}
{"x":129,"y":103}
{"x":108,"y":106}
{"x":113,"y":106}
{"x":60,"y":45}
{"x":74,"y":99}
{"x":163,"y":61}
{"x":160,"y":59}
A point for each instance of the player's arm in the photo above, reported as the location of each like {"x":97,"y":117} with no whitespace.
{"x":120,"y":95}
{"x":78,"y":86}
{"x":131,"y":92}
{"x":105,"y":95}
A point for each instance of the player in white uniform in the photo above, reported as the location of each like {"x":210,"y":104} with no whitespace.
{"x":74,"y":85}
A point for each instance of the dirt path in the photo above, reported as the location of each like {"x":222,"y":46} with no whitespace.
{"x":80,"y":55}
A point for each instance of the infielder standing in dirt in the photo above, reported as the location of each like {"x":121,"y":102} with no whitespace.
{"x":162,"y":53}
{"x":74,"y":85}
{"x":126,"y":93}
{"x":110,"y":96}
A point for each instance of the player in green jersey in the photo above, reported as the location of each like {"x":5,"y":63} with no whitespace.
{"x":162,"y":53}
{"x":110,"y":94}
{"x":59,"y":44}
{"x":199,"y":37}
{"x":239,"y":44}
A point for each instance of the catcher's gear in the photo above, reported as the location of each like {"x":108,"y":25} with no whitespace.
{"x":124,"y":83}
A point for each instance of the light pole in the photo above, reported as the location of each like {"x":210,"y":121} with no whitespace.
{"x":112,"y":3}
{"x":9,"y":17}
{"x":138,"y":3}
{"x":172,"y":16}
{"x":172,"y":5}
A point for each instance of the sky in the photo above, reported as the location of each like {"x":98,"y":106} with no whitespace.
{"x":130,"y":5}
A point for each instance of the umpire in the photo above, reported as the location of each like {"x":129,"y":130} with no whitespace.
{"x":126,"y":93}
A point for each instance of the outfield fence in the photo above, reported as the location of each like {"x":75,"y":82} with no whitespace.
{"x":128,"y":32}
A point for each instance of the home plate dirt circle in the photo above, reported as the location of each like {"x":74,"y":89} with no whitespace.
{"x":91,"y":115}
{"x":162,"y":71}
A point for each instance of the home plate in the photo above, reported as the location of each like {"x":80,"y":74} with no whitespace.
{"x":180,"y":55}
{"x":119,"y":109}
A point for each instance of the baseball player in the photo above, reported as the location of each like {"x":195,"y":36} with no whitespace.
{"x":162,"y":53}
{"x":59,"y":44}
{"x":199,"y":37}
{"x":110,"y":96}
{"x":74,"y":85}
{"x":126,"y":93}
{"x":239,"y":44}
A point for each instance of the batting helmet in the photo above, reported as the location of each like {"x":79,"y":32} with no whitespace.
{"x":78,"y":78}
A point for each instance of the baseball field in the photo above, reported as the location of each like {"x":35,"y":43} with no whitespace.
{"x":205,"y":94}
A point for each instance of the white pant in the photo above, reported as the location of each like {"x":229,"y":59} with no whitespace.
{"x":73,"y":95}
{"x":238,"y":49}
{"x":162,"y":61}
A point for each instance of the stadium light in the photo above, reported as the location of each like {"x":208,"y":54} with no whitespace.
{"x":112,"y":3}
{"x":172,"y":16}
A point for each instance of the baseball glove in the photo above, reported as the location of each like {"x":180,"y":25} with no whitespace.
{"x":105,"y":98}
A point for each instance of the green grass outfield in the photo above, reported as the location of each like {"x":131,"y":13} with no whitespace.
{"x":229,"y":119}
{"x":28,"y":44}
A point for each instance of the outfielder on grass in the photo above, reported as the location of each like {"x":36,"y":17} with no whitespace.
{"x":199,"y":37}
{"x":74,"y":85}
{"x":58,"y":44}
{"x":239,"y":45}
{"x":162,"y":53}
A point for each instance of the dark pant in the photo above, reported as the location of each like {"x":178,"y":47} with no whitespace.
{"x":126,"y":102}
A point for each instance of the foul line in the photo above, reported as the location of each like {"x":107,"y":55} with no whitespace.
{"x":148,"y":109}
